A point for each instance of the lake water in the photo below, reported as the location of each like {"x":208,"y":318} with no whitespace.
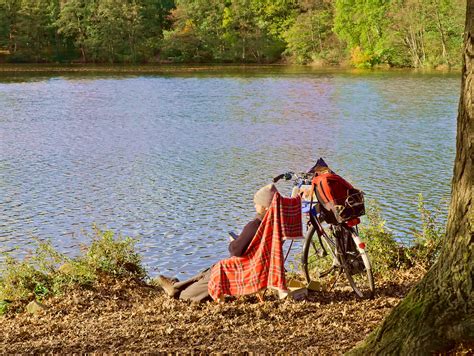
{"x":174,"y":156}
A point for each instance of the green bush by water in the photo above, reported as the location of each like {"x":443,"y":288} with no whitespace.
{"x":429,"y":238}
{"x":48,"y":272}
{"x":384,"y":251}
{"x":387,"y":254}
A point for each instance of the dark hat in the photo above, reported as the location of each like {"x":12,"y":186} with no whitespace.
{"x":319,"y":164}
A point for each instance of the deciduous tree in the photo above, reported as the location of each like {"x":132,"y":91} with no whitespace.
{"x":438,"y":313}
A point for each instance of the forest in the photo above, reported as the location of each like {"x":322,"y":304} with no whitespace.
{"x":360,"y":33}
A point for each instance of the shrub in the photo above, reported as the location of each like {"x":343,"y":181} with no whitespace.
{"x":387,"y":254}
{"x":361,"y":59}
{"x":48,"y":272}
{"x":114,"y":256}
{"x":427,"y":241}
{"x":21,"y":279}
{"x":384,"y":251}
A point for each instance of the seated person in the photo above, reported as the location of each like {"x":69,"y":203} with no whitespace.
{"x":196,"y":288}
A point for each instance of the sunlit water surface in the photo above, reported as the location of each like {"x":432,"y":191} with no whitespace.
{"x":175,"y":158}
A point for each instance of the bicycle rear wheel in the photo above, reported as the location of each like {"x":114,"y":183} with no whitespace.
{"x":355,"y":262}
{"x":319,"y":255}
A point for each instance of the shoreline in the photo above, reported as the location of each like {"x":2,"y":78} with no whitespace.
{"x":186,"y":68}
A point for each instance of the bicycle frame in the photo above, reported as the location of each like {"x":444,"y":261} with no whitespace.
{"x":338,"y":249}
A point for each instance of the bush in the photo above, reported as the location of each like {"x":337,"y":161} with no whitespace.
{"x":21,"y":280}
{"x":48,"y":272}
{"x":385,"y":252}
{"x":361,"y":59}
{"x":428,"y":241}
{"x":114,"y":256}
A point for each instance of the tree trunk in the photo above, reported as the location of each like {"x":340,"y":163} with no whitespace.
{"x":415,"y":59}
{"x":422,"y":45}
{"x":442,"y":35}
{"x":438,"y":313}
{"x":83,"y":54}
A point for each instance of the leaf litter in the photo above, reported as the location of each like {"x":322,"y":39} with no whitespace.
{"x":131,"y":316}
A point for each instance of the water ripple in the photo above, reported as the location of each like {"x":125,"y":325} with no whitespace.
{"x":175,"y":160}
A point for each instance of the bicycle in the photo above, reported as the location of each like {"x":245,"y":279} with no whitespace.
{"x":331,"y":248}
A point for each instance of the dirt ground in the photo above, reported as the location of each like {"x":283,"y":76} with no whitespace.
{"x":128,"y":316}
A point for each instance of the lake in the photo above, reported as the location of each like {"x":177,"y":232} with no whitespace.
{"x":173,"y":155}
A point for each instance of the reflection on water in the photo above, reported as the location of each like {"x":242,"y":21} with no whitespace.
{"x":175,"y":159}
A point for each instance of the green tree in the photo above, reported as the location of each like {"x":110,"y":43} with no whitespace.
{"x":445,"y":30}
{"x":9,"y":13}
{"x":28,"y":28}
{"x":196,"y":32}
{"x":230,"y":30}
{"x":183,"y":44}
{"x":426,"y":32}
{"x":254,"y":28}
{"x":118,"y":31}
{"x":115,"y":30}
{"x":310,"y":37}
{"x":362,"y":24}
{"x":155,"y":19}
{"x":205,"y":18}
{"x":276,"y":16}
{"x":399,"y":32}
{"x":74,"y":21}
{"x":408,"y":22}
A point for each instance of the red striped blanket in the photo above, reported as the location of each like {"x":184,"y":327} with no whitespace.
{"x":262,"y":265}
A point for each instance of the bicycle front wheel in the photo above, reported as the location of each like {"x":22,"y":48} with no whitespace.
{"x":355,"y":262}
{"x":319,"y":255}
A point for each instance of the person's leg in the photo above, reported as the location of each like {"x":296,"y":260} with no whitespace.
{"x":197,"y":291}
{"x":174,"y":289}
{"x":184,"y":284}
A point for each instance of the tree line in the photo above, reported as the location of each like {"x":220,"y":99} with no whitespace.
{"x":363,"y":33}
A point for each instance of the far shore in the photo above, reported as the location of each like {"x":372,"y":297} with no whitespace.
{"x":186,"y":68}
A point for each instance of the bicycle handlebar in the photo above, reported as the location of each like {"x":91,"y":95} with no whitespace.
{"x":291,"y":175}
{"x":277,"y":178}
{"x":287,"y":176}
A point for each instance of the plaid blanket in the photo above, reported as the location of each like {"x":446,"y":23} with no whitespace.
{"x":262,"y":265}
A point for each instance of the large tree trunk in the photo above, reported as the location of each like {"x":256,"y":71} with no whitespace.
{"x":438,"y":313}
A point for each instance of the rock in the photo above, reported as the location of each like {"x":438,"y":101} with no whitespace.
{"x":35,"y":307}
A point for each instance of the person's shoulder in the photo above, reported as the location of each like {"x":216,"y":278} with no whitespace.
{"x":256,"y":220}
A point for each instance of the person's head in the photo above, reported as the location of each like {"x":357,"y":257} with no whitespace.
{"x":263,"y":198}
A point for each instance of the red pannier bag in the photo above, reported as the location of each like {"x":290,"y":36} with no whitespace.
{"x":340,"y":200}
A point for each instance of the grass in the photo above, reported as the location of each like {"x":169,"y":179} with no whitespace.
{"x":49,"y":273}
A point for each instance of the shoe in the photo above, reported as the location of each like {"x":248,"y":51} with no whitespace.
{"x":167,"y":285}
